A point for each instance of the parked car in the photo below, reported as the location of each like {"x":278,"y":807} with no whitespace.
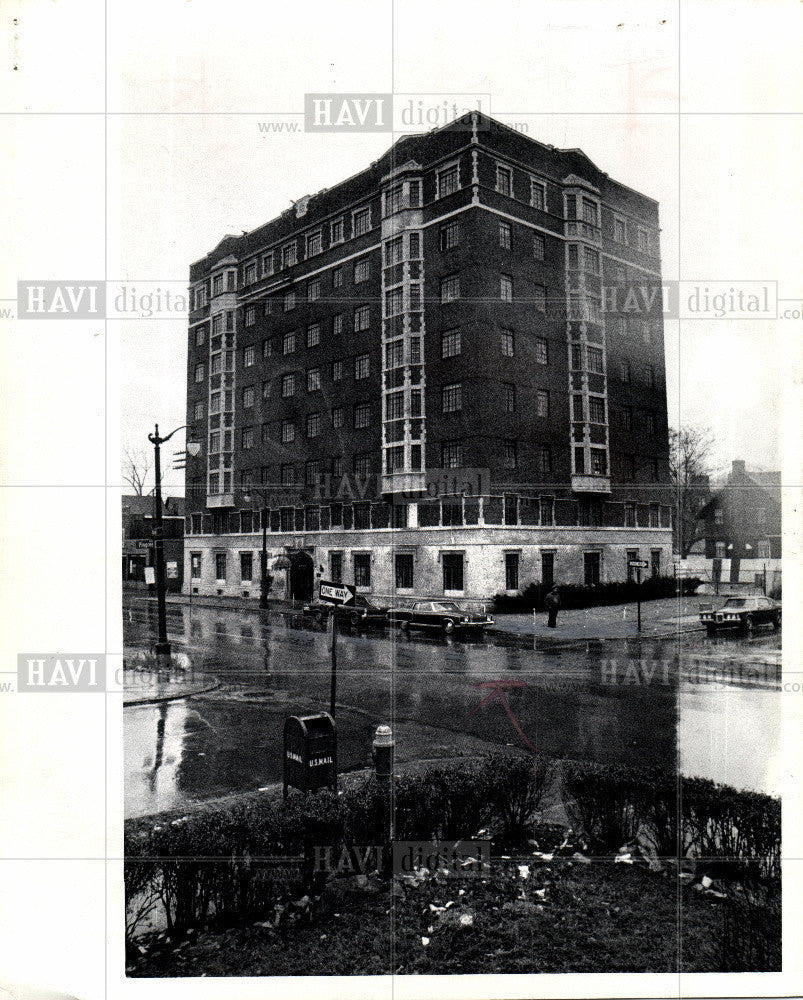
{"x":360,"y":614}
{"x":741,"y":613}
{"x":443,"y":615}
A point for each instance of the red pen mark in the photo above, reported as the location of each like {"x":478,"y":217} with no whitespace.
{"x":495,"y":688}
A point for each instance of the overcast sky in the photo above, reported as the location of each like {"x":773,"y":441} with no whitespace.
{"x":188,"y":162}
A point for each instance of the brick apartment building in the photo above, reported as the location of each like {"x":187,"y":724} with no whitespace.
{"x":416,"y":381}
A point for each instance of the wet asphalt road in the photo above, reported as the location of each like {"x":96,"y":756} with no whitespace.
{"x":707,"y":707}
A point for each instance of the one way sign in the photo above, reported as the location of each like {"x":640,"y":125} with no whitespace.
{"x":337,"y":593}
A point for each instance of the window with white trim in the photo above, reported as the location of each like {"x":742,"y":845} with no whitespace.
{"x":538,"y":194}
{"x":361,"y":221}
{"x":504,"y":180}
{"x":314,"y":243}
{"x":448,"y":180}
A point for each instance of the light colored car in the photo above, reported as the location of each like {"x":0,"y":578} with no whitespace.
{"x":741,"y":613}
{"x":443,"y":615}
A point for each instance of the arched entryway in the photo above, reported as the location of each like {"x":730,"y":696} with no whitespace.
{"x":302,"y":576}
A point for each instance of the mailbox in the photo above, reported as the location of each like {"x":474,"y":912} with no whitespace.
{"x":310,"y":752}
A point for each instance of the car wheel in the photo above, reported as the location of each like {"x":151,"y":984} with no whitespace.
{"x":776,"y":621}
{"x":749,"y":624}
{"x":404,"y":625}
{"x":448,"y":626}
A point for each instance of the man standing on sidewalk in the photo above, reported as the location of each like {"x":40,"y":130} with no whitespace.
{"x":552,"y":601}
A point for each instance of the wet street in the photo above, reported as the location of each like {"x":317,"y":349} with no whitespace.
{"x":708,"y":707}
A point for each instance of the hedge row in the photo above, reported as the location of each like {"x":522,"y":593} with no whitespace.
{"x":230,"y":864}
{"x":575,"y":596}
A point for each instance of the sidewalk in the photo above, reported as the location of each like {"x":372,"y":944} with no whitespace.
{"x":665,"y":618}
{"x":144,"y":687}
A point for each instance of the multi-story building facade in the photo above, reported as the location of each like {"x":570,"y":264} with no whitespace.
{"x":428,"y":379}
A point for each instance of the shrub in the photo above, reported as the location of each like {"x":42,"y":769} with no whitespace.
{"x":752,"y":935}
{"x":606,"y":802}
{"x":575,"y":596}
{"x":517,"y":787}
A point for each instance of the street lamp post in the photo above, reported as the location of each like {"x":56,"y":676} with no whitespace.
{"x":263,"y":555}
{"x":162,"y":645}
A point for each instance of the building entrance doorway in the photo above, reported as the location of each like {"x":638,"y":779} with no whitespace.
{"x":302,"y":576}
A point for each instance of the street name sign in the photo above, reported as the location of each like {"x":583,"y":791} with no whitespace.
{"x":337,"y":593}
{"x":638,"y":564}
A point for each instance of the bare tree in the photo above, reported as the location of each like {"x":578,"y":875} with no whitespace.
{"x":689,"y":468}
{"x":135,"y":468}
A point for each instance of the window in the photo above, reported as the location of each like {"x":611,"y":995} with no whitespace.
{"x":217,"y":284}
{"x":246,"y":566}
{"x":591,"y":566}
{"x":452,"y":571}
{"x":544,"y":458}
{"x":394,"y":302}
{"x":220,"y":565}
{"x":313,"y":379}
{"x":719,"y":516}
{"x":589,"y":212}
{"x":546,"y":513}
{"x":250,"y":315}
{"x":289,"y":255}
{"x":595,"y":360}
{"x":450,"y":343}
{"x":539,"y":246}
{"x":510,"y":397}
{"x":313,"y":334}
{"x":362,"y":569}
{"x":571,"y":206}
{"x":313,"y":425}
{"x":200,"y":372}
{"x":394,"y":354}
{"x":763,"y":550}
{"x":619,"y":231}
{"x":539,"y":298}
{"x":288,"y":385}
{"x":337,"y":277}
{"x":505,"y":235}
{"x":288,"y":474}
{"x":394,"y":459}
{"x":250,"y":273}
{"x":313,"y":289}
{"x":511,"y":571}
{"x":394,"y":250}
{"x":643,"y":240}
{"x":654,"y":470}
{"x":362,"y":318}
{"x":217,"y":324}
{"x":314,"y":244}
{"x":288,"y":432}
{"x":504,"y":180}
{"x":627,"y":417}
{"x":337,"y":371}
{"x":394,"y":406}
{"x":450,"y":235}
{"x":506,"y":288}
{"x":337,"y":231}
{"x":312,"y":473}
{"x":289,"y":300}
{"x":651,"y":377}
{"x":198,"y":413}
{"x":542,"y":350}
{"x":337,"y":416}
{"x":267,"y":264}
{"x":415,"y":403}
{"x":577,"y":408}
{"x":509,"y":460}
{"x":404,"y":570}
{"x":248,"y":397}
{"x":361,"y":221}
{"x":596,"y":409}
{"x":336,"y":567}
{"x":361,"y":366}
{"x":650,"y":422}
{"x":362,"y":415}
{"x":195,"y":565}
{"x":450,"y":288}
{"x":452,"y":454}
{"x":448,"y":180}
{"x":719,"y":548}
{"x":362,"y":271}
{"x":451,"y":398}
{"x":655,"y":562}
{"x":362,"y":465}
{"x":289,"y":343}
{"x":199,"y":336}
{"x":265,"y":436}
{"x":337,"y":324}
{"x":625,"y":373}
{"x":507,"y":343}
{"x":599,"y":462}
{"x":591,"y":260}
{"x":542,"y":403}
{"x":267,"y":348}
{"x":394,"y":199}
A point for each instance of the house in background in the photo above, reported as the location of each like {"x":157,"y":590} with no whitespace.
{"x":740,"y":528}
{"x":138,"y":540}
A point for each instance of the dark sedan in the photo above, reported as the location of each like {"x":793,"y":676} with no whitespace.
{"x":443,"y":615}
{"x":741,"y":613}
{"x":359,"y":614}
